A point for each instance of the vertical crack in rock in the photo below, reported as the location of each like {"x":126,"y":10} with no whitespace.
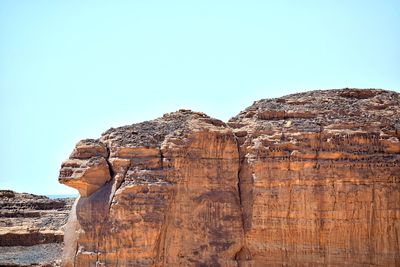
{"x":115,"y":184}
{"x":243,"y":255}
{"x":239,"y":255}
{"x":167,"y":221}
{"x":112,"y":174}
{"x":240,"y":161}
{"x":115,"y":181}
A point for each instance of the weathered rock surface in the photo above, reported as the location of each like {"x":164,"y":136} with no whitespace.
{"x":27,"y":222}
{"x":307,"y":179}
{"x":320,"y":178}
{"x":173,"y":198}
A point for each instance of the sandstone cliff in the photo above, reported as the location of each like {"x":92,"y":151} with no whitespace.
{"x":306,"y":179}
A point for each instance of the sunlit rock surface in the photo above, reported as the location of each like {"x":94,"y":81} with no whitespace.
{"x":320,"y":178}
{"x":31,"y":228}
{"x":307,"y":179}
{"x":173,"y":198}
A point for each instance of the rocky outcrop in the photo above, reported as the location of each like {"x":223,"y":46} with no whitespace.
{"x":320,"y":178}
{"x":31,"y":225}
{"x":27,"y":219}
{"x":306,"y":179}
{"x":172,"y":200}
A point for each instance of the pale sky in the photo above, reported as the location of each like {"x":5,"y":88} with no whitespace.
{"x":70,"y":70}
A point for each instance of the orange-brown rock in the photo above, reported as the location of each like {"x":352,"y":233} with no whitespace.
{"x":173,"y":199}
{"x":320,"y":178}
{"x":31,"y":229}
{"x":87,"y":169}
{"x":308,"y":179}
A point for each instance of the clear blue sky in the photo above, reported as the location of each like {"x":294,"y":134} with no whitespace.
{"x":71,"y":69}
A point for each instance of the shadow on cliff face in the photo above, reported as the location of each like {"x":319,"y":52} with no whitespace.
{"x":70,"y":237}
{"x":94,"y":209}
{"x":86,"y":213}
{"x":245,"y":185}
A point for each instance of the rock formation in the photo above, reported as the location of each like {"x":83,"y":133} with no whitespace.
{"x":320,"y":178}
{"x":28,"y":221}
{"x":306,"y":179}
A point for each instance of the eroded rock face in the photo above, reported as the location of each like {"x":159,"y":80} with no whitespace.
{"x":320,"y":178}
{"x":173,"y":198}
{"x":87,"y":168}
{"x":27,"y":219}
{"x":307,"y":179}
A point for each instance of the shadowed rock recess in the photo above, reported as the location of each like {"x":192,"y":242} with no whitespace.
{"x":306,"y":179}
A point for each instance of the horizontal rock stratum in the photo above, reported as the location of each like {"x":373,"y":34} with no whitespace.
{"x":308,"y":179}
{"x":27,"y":219}
{"x":31,"y":228}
